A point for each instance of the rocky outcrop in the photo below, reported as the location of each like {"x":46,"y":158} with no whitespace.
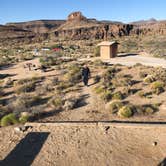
{"x":153,"y":28}
{"x":78,"y":27}
{"x":39,"y":26}
{"x":76,"y":16}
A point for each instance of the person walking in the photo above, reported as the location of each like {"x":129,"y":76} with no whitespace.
{"x":85,"y":75}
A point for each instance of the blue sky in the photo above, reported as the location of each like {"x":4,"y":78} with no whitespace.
{"x":116,"y":10}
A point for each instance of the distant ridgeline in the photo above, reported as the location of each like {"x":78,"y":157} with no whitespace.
{"x":77,"y":27}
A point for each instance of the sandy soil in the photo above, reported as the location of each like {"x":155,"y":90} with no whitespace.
{"x":132,"y":59}
{"x":84,"y":144}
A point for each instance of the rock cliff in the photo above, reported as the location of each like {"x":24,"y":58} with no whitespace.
{"x":77,"y":27}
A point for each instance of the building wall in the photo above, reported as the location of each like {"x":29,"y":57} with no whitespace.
{"x":105,"y":52}
{"x":114,"y":50}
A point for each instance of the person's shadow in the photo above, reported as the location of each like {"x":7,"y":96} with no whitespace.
{"x":163,"y":163}
{"x":26,"y":150}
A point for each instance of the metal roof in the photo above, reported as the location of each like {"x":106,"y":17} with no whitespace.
{"x":107,"y":43}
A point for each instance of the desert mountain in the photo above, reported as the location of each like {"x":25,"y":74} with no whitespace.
{"x":78,"y":27}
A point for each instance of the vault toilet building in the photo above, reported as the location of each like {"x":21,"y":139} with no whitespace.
{"x":108,"y":49}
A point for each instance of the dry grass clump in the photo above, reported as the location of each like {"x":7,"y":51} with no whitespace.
{"x":115,"y":106}
{"x":126,"y":111}
{"x":117,"y":96}
{"x":26,"y":85}
{"x":149,"y":79}
{"x":56,"y":102}
{"x":73,"y":74}
{"x":9,"y":120}
{"x":106,"y":95}
{"x":97,"y":79}
{"x":157,"y":87}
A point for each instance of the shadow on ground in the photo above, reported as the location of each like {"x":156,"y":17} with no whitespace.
{"x":125,"y":55}
{"x":26,"y":150}
{"x":163,"y":163}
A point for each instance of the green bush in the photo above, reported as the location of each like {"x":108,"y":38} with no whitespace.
{"x":142,"y":74}
{"x":74,"y":74}
{"x":48,"y":61}
{"x":57,"y":103}
{"x":99,"y":89}
{"x":149,"y":110}
{"x":115,"y":106}
{"x":27,"y":87}
{"x":106,"y":95}
{"x":149,"y":79}
{"x":97,"y":52}
{"x":157,"y":87}
{"x":63,"y":85}
{"x":126,"y":111}
{"x":97,"y":79}
{"x":23,"y":119}
{"x":117,"y":96}
{"x":9,"y":120}
{"x":98,"y":62}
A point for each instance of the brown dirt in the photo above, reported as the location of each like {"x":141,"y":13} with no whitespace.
{"x":84,"y":144}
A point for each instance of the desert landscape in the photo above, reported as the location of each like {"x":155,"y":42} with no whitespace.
{"x":48,"y":117}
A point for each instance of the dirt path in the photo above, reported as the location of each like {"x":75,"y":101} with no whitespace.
{"x":84,"y":144}
{"x":130,"y":60}
{"x":90,"y":109}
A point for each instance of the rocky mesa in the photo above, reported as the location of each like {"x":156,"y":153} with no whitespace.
{"x":77,"y":27}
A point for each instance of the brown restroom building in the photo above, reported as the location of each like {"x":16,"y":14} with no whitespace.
{"x":108,"y":49}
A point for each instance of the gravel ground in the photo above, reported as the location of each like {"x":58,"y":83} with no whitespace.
{"x":84,"y":145}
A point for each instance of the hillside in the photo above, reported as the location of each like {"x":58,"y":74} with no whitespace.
{"x":76,"y":27}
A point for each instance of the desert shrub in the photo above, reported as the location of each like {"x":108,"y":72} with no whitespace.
{"x":99,"y":89}
{"x":9,"y":120}
{"x":115,"y":106}
{"x":142,"y":74}
{"x":97,"y":79}
{"x":24,"y":119}
{"x":138,"y":65}
{"x":98,"y":62}
{"x":157,"y":87}
{"x":26,"y":56}
{"x":1,"y":91}
{"x":109,"y":75}
{"x":141,"y":94}
{"x":149,"y":110}
{"x":117,"y":96}
{"x":106,"y":95}
{"x":48,"y":61}
{"x":160,"y":74}
{"x":126,"y":111}
{"x":74,"y":74}
{"x":63,"y":85}
{"x":122,"y":81}
{"x":97,"y":52}
{"x":70,"y":103}
{"x":56,"y":102}
{"x":27,"y":87}
{"x":8,"y":82}
{"x":149,"y":79}
{"x":28,"y":80}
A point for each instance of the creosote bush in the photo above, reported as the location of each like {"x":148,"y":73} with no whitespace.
{"x":106,"y":95}
{"x":9,"y":120}
{"x":157,"y":87}
{"x":117,"y":96}
{"x":149,"y":79}
{"x":74,"y":74}
{"x":56,"y":102}
{"x":115,"y":106}
{"x":126,"y":111}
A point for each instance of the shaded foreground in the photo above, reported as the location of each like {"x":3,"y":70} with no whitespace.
{"x":100,"y":143}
